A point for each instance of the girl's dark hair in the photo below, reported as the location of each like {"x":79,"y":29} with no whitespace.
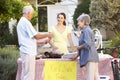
{"x":64,"y":23}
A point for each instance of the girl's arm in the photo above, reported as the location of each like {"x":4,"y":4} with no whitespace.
{"x":71,"y":42}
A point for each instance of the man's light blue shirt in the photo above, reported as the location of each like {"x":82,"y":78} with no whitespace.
{"x":26,"y":33}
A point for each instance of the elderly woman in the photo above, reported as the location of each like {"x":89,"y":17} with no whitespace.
{"x":86,"y":49}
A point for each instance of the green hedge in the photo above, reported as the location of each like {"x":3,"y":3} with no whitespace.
{"x":8,"y":63}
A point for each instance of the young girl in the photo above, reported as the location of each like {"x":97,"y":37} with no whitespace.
{"x":86,"y":49}
{"x":61,"y":33}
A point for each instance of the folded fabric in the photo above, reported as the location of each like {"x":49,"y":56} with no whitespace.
{"x":69,"y":55}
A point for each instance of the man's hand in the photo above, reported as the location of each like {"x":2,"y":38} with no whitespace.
{"x":43,"y":41}
{"x":50,"y":36}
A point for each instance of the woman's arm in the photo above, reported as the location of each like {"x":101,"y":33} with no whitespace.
{"x":71,"y":41}
{"x":79,"y":47}
{"x":51,"y":43}
{"x":87,"y":39}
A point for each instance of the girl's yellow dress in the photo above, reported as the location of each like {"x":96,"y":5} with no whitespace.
{"x":60,"y":39}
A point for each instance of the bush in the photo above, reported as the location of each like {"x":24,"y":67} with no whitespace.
{"x":115,"y":41}
{"x":13,"y":39}
{"x":114,"y":46}
{"x":4,"y":33}
{"x":105,"y":14}
{"x":8,"y":63}
{"x":11,"y":9}
{"x":7,"y":38}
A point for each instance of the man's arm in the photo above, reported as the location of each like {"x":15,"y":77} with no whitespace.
{"x":41,"y":36}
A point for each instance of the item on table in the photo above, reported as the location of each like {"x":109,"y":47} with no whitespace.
{"x":55,"y":50}
{"x":69,"y":55}
{"x":38,"y":57}
{"x":51,"y":55}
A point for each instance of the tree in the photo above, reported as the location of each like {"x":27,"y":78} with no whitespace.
{"x":11,"y":9}
{"x":106,"y":14}
{"x":83,"y":7}
{"x":3,"y":34}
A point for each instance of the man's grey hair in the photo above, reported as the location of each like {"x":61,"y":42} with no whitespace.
{"x":85,"y":18}
{"x":27,"y":9}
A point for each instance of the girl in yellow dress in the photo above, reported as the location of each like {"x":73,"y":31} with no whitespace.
{"x":61,"y":34}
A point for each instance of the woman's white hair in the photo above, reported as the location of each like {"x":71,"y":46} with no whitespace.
{"x":85,"y":18}
{"x":28,"y":9}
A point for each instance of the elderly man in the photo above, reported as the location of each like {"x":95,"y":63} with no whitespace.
{"x":27,"y":37}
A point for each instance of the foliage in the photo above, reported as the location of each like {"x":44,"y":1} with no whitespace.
{"x":83,"y":7}
{"x":5,"y":10}
{"x":4,"y":33}
{"x":42,"y":18}
{"x":118,"y":53}
{"x":115,"y":41}
{"x":13,"y":39}
{"x":8,"y":63}
{"x":106,"y":14}
{"x":35,"y":16}
{"x":6,"y":38}
{"x":11,"y":9}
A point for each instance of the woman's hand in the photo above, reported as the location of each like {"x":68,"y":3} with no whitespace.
{"x":79,"y":47}
{"x":74,"y":58}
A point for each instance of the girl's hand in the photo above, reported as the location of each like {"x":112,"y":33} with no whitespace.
{"x":72,"y":49}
